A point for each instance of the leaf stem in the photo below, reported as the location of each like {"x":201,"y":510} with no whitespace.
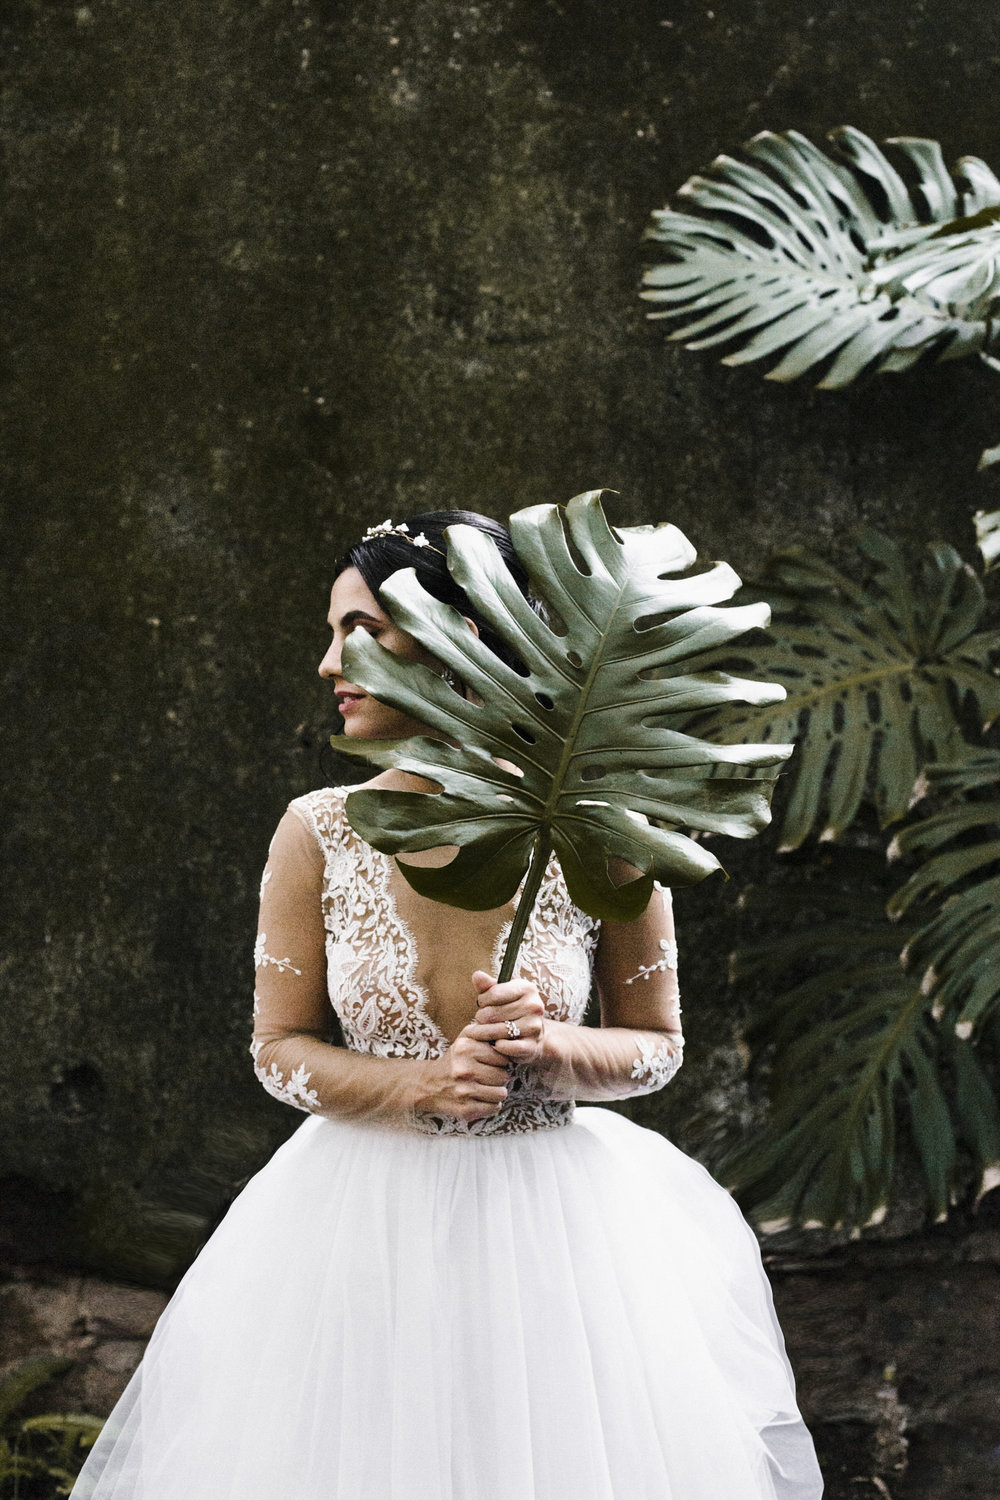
{"x":532,"y":881}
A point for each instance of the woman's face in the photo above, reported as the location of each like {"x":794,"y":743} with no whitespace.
{"x":352,"y":603}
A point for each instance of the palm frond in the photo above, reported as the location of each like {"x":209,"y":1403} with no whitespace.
{"x":830,"y":264}
{"x":956,"y":893}
{"x":852,"y":1054}
{"x":877,"y":673}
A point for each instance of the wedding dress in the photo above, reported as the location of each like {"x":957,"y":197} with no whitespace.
{"x":551,"y":1303}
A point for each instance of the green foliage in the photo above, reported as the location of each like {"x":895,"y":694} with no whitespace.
{"x":878,"y":670}
{"x":40,"y":1457}
{"x":591,"y":726}
{"x":958,"y":944}
{"x":830,"y":263}
{"x":988,"y":535}
{"x":849,"y":1048}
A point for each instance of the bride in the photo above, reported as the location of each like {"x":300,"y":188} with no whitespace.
{"x":450,"y":1283}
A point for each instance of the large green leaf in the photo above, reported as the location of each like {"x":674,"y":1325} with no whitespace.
{"x":878,"y":671}
{"x":831,"y":264}
{"x":592,"y":725}
{"x":988,"y":534}
{"x":955,"y":893}
{"x":851,"y":1051}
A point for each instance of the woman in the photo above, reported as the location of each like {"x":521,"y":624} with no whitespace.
{"x":449,"y":1283}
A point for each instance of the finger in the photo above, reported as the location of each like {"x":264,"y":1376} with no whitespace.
{"x":489,"y":1077}
{"x":499,"y":1031}
{"x":487,"y":1093}
{"x":506,"y":997}
{"x":482,"y":981}
{"x":522,"y":1051}
{"x":526,"y":1009}
{"x":504,"y":994}
{"x":481,"y":1050}
{"x":529,"y":1029}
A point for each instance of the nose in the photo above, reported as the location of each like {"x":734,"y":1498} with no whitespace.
{"x":329,"y":667}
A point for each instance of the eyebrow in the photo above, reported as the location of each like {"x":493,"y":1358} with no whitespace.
{"x":353,"y":616}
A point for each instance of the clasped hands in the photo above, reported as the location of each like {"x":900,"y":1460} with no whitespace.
{"x":470,"y":1081}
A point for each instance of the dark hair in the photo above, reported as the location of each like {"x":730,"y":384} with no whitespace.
{"x":378,"y":557}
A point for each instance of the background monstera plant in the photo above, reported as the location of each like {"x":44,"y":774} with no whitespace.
{"x":880,"y":671}
{"x":956,"y":890}
{"x":873,"y":1026}
{"x":834,"y":264}
{"x":831,"y":264}
{"x":853,"y":1058}
{"x":583,"y":750}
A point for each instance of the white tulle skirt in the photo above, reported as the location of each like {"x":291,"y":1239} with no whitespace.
{"x":575,"y":1314}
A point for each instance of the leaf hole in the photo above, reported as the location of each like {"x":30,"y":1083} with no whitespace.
{"x":525,"y":734}
{"x":593,"y":773}
{"x":545,"y":700}
{"x":507,"y":765}
{"x":574,"y":658}
{"x":576,"y":556}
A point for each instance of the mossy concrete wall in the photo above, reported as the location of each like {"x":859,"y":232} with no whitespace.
{"x":279,"y":269}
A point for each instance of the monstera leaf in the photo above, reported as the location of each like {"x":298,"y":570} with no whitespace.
{"x":852,"y":1052}
{"x":958,"y":944}
{"x":876,"y":674}
{"x":988,"y":535}
{"x":581,"y":751}
{"x":831,"y":264}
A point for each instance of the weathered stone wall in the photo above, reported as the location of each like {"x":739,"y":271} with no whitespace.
{"x":280,"y":269}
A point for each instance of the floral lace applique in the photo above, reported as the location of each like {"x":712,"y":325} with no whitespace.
{"x":294,"y":1091}
{"x":656,"y":1063}
{"x":264,"y":879}
{"x":262,"y":959}
{"x":372,"y":964}
{"x":667,"y":961}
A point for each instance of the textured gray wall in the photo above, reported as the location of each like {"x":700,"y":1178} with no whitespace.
{"x":279,"y":269}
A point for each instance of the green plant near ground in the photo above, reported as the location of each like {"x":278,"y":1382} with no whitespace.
{"x":870,"y":1021}
{"x":40,"y":1457}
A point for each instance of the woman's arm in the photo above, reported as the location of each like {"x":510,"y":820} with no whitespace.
{"x":293,"y":1058}
{"x":639,"y":1045}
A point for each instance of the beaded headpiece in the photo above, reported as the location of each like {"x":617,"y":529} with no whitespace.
{"x":386,"y":528}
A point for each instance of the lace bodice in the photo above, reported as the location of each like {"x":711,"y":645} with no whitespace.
{"x":340,"y":925}
{"x":371,"y":962}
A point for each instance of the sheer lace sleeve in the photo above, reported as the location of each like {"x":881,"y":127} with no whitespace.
{"x":639,"y":1046}
{"x":292,"y":1056}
